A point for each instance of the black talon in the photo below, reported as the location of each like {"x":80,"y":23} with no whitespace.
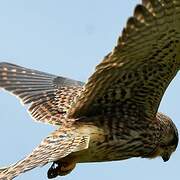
{"x":52,"y":172}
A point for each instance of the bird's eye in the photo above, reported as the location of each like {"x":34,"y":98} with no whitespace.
{"x":163,"y":146}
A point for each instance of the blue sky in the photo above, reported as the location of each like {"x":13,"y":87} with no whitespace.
{"x":68,"y":38}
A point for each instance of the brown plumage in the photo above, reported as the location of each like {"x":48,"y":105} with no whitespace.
{"x":114,"y":115}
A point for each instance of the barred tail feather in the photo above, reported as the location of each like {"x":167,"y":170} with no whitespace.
{"x":49,"y":96}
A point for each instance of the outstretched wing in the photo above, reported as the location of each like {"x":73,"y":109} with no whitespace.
{"x":132,"y":79}
{"x":56,"y":146}
{"x":50,"y":96}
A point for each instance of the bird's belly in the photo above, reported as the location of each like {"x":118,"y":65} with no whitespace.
{"x":104,"y":146}
{"x":109,"y":151}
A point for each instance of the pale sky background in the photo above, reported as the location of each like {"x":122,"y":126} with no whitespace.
{"x":69,"y":38}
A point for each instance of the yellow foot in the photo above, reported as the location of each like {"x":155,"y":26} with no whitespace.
{"x":59,"y":168}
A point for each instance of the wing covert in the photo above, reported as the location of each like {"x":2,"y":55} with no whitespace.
{"x":54,"y":147}
{"x":132,"y":79}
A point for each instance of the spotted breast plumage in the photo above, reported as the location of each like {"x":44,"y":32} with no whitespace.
{"x":114,"y":115}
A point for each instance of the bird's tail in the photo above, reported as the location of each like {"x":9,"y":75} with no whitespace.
{"x":56,"y":146}
{"x":49,"y":96}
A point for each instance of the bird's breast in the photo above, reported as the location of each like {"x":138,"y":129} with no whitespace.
{"x":106,"y":145}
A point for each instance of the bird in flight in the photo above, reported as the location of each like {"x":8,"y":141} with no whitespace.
{"x":114,"y":116}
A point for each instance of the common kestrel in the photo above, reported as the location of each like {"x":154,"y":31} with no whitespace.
{"x":114,"y":115}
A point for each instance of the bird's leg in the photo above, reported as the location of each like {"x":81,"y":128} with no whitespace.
{"x":60,"y":168}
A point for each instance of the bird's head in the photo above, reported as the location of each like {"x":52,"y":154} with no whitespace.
{"x":169,"y":138}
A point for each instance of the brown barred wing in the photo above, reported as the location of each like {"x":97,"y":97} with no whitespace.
{"x":54,"y":147}
{"x":49,"y":96}
{"x":132,"y":79}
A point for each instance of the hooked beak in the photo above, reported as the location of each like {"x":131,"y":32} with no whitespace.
{"x":166,"y":157}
